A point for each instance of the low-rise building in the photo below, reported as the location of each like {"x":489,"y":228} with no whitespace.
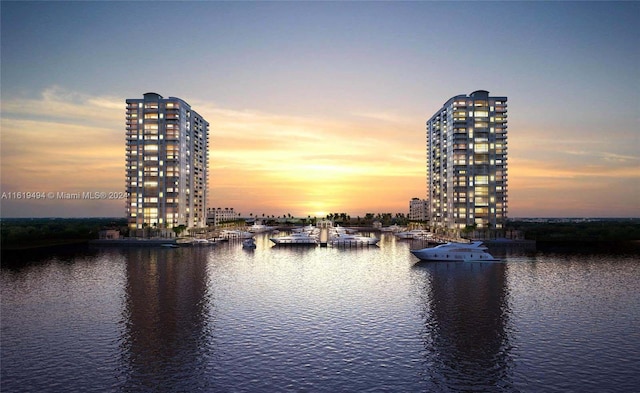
{"x":218,"y":215}
{"x":418,"y":209}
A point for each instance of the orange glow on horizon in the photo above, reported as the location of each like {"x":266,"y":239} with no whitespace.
{"x":277,"y":165}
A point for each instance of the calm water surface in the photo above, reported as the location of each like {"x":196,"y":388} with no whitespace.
{"x":224,"y":319}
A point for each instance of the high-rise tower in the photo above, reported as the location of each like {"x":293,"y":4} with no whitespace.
{"x":167,"y":164}
{"x":467,"y":163}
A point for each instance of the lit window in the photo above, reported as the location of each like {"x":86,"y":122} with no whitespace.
{"x":481,"y":148}
{"x":482,"y":179}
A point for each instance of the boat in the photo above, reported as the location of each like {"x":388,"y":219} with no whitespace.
{"x":169,"y":245}
{"x":259,"y":228}
{"x":295,"y":238}
{"x":202,"y":242}
{"x":233,"y":234}
{"x":393,"y":228}
{"x":307,"y":229}
{"x":184,"y":241}
{"x":192,"y":241}
{"x":338,"y":230}
{"x":353,"y":240}
{"x":414,"y":234}
{"x":463,"y":252}
{"x":248,"y":243}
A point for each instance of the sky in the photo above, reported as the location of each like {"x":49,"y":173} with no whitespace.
{"x":320,"y":107}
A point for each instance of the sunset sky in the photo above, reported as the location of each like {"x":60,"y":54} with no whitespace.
{"x":319,"y":107}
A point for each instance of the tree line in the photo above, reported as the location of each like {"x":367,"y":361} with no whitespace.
{"x":597,"y":230}
{"x":32,"y":232}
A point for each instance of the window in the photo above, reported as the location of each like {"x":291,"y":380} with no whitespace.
{"x":481,"y":180}
{"x":481,"y":148}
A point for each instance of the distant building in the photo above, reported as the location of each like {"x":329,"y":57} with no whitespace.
{"x":418,"y":209}
{"x":167,"y":163}
{"x":467,"y":163}
{"x":216,"y":216}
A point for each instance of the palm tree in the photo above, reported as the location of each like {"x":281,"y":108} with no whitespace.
{"x":179,"y":229}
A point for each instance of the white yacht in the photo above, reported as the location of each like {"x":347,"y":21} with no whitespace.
{"x":308,"y":229}
{"x":296,"y":238}
{"x":393,"y":228}
{"x":353,"y":240}
{"x":233,"y":234}
{"x":414,"y":234}
{"x":203,"y":242}
{"x":463,"y":252}
{"x":259,"y":228}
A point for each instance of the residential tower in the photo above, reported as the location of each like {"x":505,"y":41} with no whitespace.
{"x":166,"y":164}
{"x":467,"y":164}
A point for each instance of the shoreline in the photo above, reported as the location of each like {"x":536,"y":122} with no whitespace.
{"x":127,"y":242}
{"x":43,"y":244}
{"x":131,"y":242}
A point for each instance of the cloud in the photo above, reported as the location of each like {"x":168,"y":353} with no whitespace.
{"x":384,"y":116}
{"x":58,"y":104}
{"x":271,"y":163}
{"x":71,"y":142}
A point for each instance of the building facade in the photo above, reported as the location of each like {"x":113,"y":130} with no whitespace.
{"x":467,"y":163}
{"x":167,"y":164}
{"x":216,"y":216}
{"x":418,"y":209}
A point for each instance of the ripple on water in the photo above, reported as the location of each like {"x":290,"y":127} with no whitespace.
{"x":319,"y":319}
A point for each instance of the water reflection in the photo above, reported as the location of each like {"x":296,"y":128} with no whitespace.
{"x":466,"y":317}
{"x":165,"y":317}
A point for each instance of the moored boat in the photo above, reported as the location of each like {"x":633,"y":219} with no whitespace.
{"x":414,"y":234}
{"x":393,"y":228}
{"x":296,"y":238}
{"x":259,"y":228}
{"x":353,"y":240}
{"x":234,"y":234}
{"x":248,"y":243}
{"x":463,"y":252}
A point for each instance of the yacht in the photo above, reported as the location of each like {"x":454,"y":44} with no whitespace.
{"x":234,"y":234}
{"x":308,"y":229}
{"x":296,"y":238}
{"x":259,"y":228}
{"x":353,"y":240}
{"x":393,"y":228}
{"x":202,"y":242}
{"x":463,"y":252}
{"x":248,"y":243}
{"x":414,"y":234}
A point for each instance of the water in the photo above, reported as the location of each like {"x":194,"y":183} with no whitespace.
{"x":224,"y":319}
